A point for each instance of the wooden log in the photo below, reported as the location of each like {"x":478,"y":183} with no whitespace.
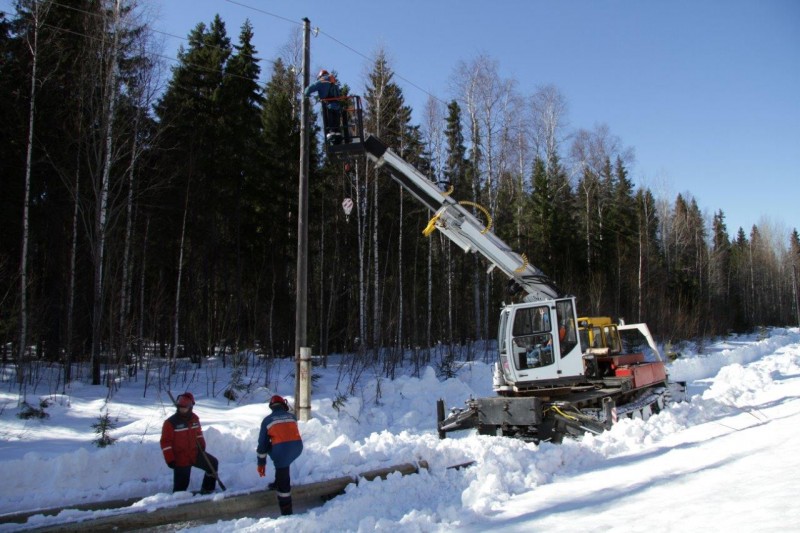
{"x":218,"y":506}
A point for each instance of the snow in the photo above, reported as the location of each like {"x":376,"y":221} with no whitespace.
{"x":727,"y":460}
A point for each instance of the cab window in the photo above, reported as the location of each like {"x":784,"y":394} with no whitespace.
{"x":531,"y":351}
{"x":567,"y":328}
{"x":612,"y":339}
{"x":532,"y":337}
{"x":530,"y":320}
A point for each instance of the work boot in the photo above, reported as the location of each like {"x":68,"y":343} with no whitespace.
{"x":209,"y":484}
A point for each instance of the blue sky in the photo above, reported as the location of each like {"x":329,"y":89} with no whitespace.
{"x":705,"y":91}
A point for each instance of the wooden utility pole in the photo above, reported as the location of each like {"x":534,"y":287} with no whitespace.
{"x":302,"y":353}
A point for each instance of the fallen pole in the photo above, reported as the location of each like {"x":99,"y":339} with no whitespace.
{"x":216,"y":506}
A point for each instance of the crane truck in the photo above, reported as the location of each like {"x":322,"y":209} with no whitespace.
{"x":556,"y":374}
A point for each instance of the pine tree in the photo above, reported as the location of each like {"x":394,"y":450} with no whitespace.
{"x":794,"y":266}
{"x":622,"y":236}
{"x":273,"y":208}
{"x":240,"y":94}
{"x":740,"y":267}
{"x":720,"y":274}
{"x":687,"y":271}
{"x":566,"y":248}
{"x":541,"y":218}
{"x":197,"y":158}
{"x":460,"y":321}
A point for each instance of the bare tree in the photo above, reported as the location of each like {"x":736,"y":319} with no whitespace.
{"x":592,"y":148}
{"x":38,"y":13}
{"x":491,"y":105}
{"x":771,"y":295}
{"x":434,"y":119}
{"x":101,"y":220}
{"x":292,"y":55}
{"x":548,"y":115}
{"x":143,"y":91}
{"x":488,"y":99}
{"x":176,"y":318}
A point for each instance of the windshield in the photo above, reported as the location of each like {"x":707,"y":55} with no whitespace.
{"x":532,"y":337}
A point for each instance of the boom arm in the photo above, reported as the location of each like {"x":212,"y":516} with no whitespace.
{"x":461,"y":227}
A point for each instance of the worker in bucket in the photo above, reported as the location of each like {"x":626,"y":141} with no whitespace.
{"x":183,"y":446}
{"x":279,"y":438}
{"x":327,"y":88}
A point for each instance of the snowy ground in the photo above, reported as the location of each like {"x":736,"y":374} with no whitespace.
{"x":725,"y":461}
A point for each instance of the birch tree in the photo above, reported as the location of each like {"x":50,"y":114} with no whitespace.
{"x":177,"y":314}
{"x":381,"y":112}
{"x":141,"y":95}
{"x":435,"y":140}
{"x":38,"y":14}
{"x":648,"y":250}
{"x":101,"y":220}
{"x":548,"y":114}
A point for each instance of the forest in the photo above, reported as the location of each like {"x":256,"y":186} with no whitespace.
{"x":149,"y":207}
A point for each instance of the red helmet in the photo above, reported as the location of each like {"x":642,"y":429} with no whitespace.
{"x":276,"y":400}
{"x":322,"y":74}
{"x":185,"y":400}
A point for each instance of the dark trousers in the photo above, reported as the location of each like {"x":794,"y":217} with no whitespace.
{"x":182,"y":474}
{"x":283,"y":489}
{"x":335,"y":120}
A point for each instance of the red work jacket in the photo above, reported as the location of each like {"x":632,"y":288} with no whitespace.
{"x":179,"y":439}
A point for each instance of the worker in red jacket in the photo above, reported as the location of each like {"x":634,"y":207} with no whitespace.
{"x":183,"y":446}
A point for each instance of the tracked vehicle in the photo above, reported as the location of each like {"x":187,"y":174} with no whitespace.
{"x":557,"y":374}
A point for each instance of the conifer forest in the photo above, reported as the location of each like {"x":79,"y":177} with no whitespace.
{"x":149,"y":199}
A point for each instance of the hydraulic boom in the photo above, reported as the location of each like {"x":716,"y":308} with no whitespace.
{"x":462,"y":227}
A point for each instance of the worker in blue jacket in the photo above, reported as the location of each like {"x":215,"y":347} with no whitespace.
{"x":279,"y":438}
{"x":329,"y":94}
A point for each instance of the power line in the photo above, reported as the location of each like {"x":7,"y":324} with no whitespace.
{"x":154,"y":30}
{"x":264,"y":12}
{"x":168,"y":58}
{"x":340,"y":43}
{"x":104,"y":40}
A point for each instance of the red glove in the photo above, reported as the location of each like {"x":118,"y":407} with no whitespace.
{"x":262,"y":470}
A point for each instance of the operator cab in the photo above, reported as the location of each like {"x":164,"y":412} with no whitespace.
{"x":345,"y":141}
{"x":538,"y":342}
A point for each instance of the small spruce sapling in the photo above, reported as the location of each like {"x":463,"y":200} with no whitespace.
{"x":102,"y":428}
